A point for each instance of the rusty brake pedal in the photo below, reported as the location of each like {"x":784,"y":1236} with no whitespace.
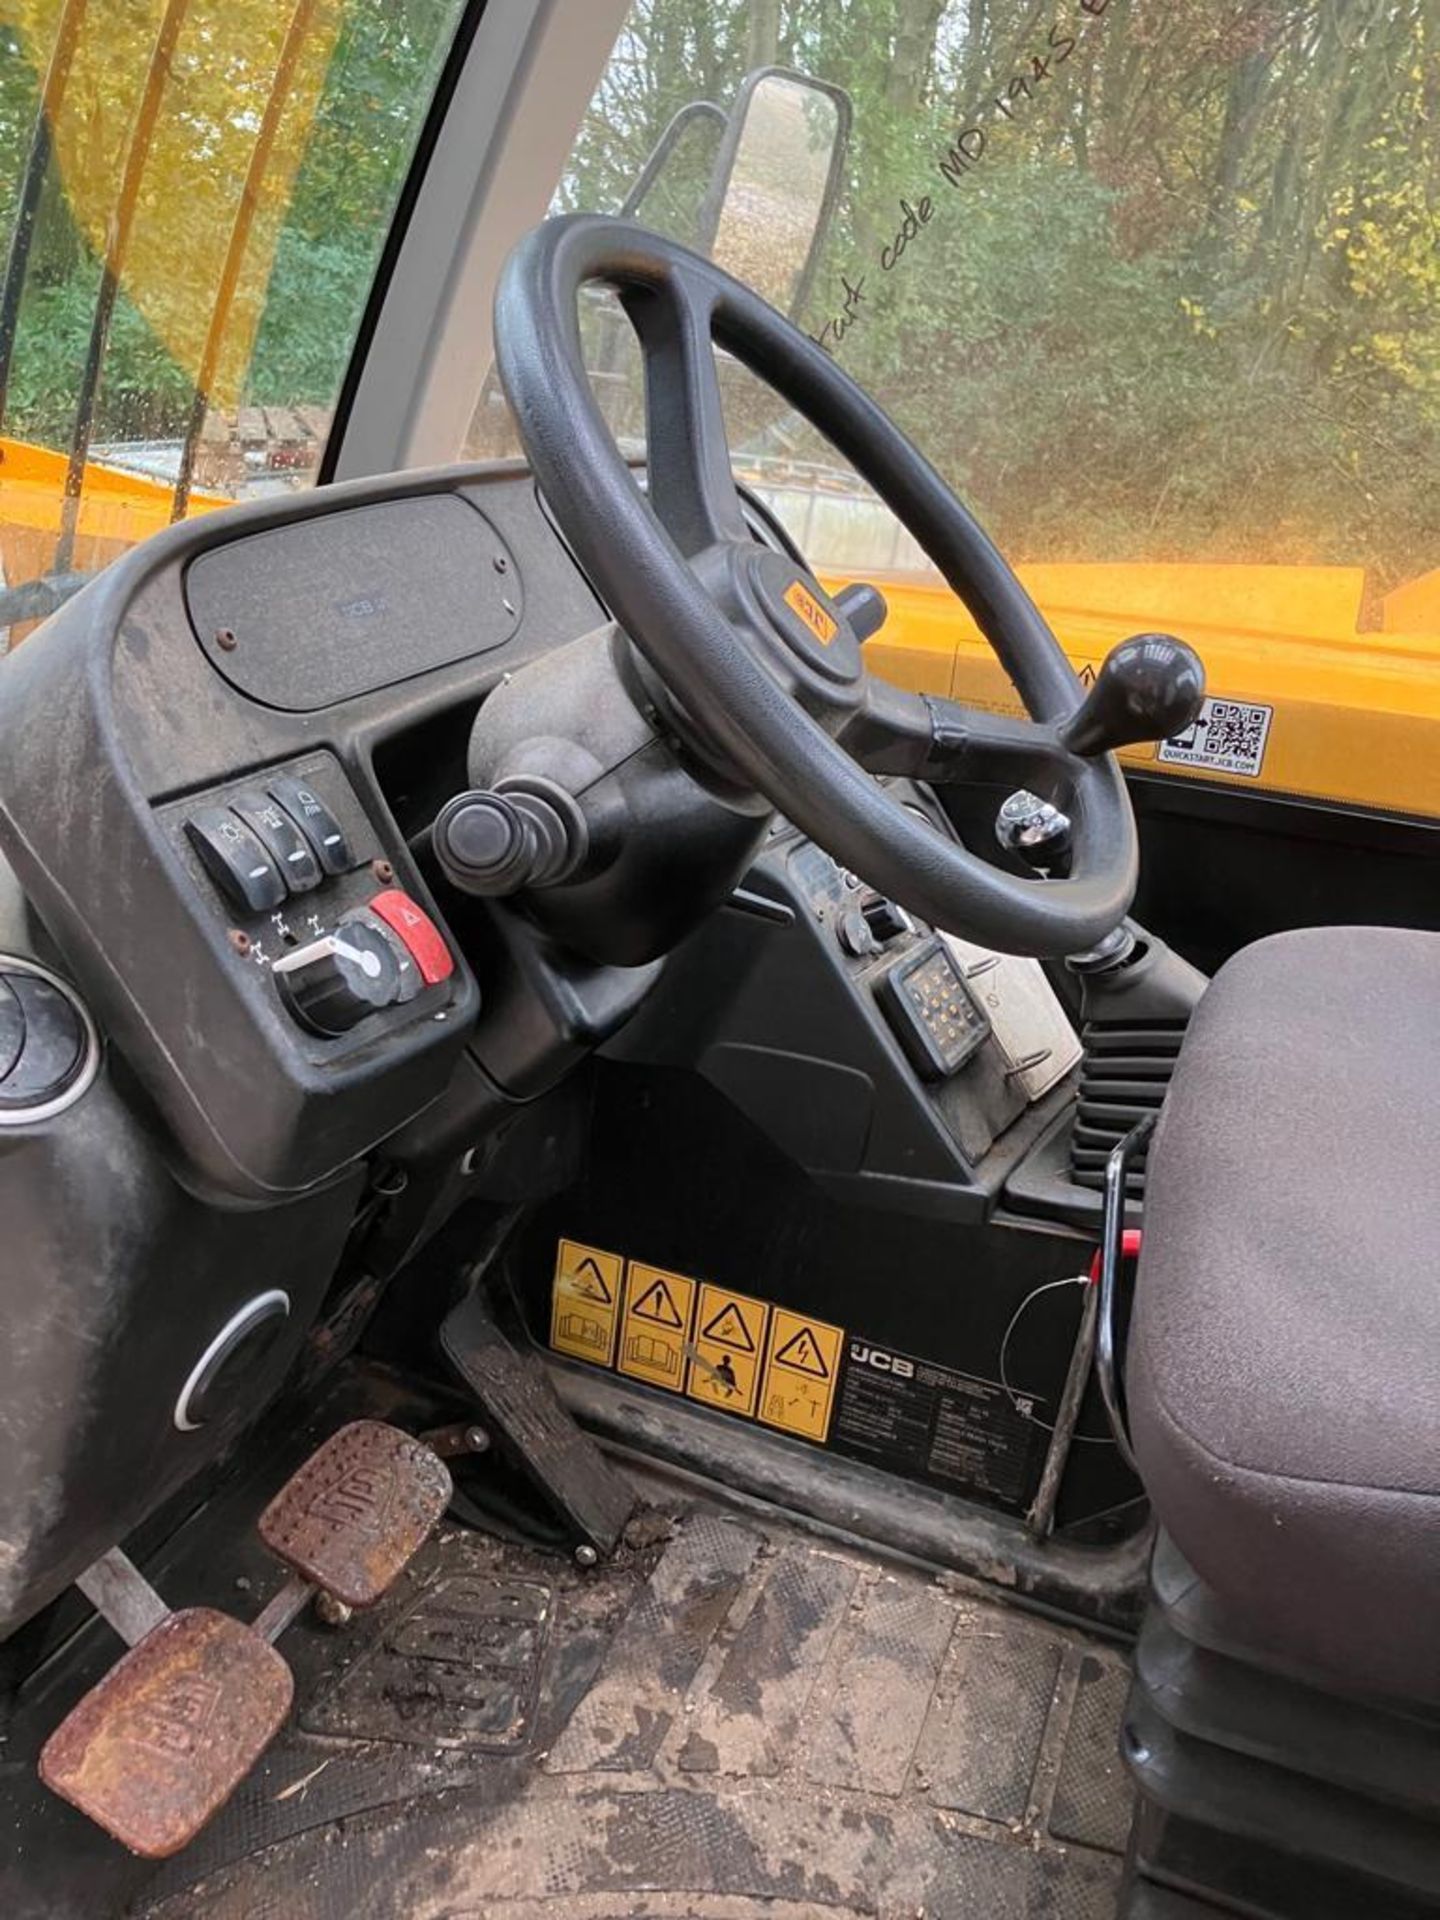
{"x":353,"y":1517}
{"x":161,"y":1743}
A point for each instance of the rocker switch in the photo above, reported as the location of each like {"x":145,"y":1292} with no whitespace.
{"x":236,"y":860}
{"x":282,"y":839}
{"x":316,"y":822}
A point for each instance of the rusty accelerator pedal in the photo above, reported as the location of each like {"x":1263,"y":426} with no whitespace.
{"x":162,"y":1742}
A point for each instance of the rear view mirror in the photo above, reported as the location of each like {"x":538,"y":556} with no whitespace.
{"x":755,"y":187}
{"x":672,"y":187}
{"x":775,"y":182}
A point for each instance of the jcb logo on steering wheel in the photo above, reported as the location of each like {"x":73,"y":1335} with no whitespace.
{"x":799,"y":599}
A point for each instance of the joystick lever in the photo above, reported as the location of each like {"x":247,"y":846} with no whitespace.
{"x":525,"y":832}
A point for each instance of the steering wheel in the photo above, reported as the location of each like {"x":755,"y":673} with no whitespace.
{"x":763,"y":668}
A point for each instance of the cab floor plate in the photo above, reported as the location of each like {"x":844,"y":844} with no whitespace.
{"x":769,"y":1726}
{"x":461,"y":1668}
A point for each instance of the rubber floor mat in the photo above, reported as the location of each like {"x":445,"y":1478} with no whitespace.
{"x":737,"y":1721}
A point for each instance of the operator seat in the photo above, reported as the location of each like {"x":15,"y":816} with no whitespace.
{"x":1283,"y":1374}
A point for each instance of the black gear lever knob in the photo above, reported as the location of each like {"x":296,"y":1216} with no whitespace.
{"x":1148,"y":688}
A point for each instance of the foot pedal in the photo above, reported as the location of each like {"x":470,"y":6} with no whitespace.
{"x":526,"y":1415}
{"x":170,"y":1732}
{"x":358,"y":1511}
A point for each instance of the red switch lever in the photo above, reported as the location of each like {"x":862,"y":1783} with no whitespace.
{"x":422,"y":939}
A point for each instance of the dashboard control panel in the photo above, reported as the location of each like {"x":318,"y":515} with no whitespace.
{"x":289,"y":861}
{"x":928,"y":1005}
{"x":251,"y":707}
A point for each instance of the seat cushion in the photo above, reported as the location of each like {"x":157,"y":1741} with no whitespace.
{"x":1284,"y":1360}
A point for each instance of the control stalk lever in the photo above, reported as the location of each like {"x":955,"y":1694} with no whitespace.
{"x":1148,"y":688}
{"x":525,"y":832}
{"x":863,"y":607}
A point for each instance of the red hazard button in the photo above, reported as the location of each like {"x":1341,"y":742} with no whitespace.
{"x":423,"y":939}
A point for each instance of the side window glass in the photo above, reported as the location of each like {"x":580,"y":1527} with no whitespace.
{"x":193,"y":198}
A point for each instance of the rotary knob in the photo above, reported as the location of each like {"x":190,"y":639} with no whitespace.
{"x":331,"y":985}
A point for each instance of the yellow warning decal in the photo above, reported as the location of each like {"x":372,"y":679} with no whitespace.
{"x":709,"y":1342}
{"x":801,"y":1369}
{"x":585,"y":1302}
{"x":799,"y":599}
{"x":726,"y":1352}
{"x":655,"y":1330}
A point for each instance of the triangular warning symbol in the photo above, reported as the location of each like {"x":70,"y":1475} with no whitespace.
{"x":1087,"y":675}
{"x":802,"y":1351}
{"x":655,"y":1304}
{"x":728,"y":1329}
{"x":589,"y":1282}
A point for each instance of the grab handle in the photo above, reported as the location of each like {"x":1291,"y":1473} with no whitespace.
{"x":1116,"y":1243}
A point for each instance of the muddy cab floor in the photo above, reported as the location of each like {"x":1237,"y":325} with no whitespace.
{"x":736,"y":1721}
{"x":732,"y":1718}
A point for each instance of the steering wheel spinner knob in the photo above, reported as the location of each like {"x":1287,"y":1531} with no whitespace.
{"x":1148,"y":688}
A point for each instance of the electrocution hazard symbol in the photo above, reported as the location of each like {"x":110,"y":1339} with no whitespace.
{"x":725,"y":1356}
{"x":583,"y":1304}
{"x":800,"y":1374}
{"x":804,"y":1355}
{"x":656,"y":1326}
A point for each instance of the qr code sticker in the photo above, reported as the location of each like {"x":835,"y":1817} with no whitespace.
{"x":1226,"y":735}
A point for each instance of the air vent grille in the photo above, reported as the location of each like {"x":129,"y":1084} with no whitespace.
{"x":1124,"y":1076}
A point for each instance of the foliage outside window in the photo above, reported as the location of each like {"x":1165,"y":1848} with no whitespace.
{"x":199,"y":225}
{"x":1149,"y":282}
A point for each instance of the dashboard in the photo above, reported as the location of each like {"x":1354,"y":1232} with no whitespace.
{"x":223,"y":977}
{"x":189,"y":799}
{"x":231,"y":971}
